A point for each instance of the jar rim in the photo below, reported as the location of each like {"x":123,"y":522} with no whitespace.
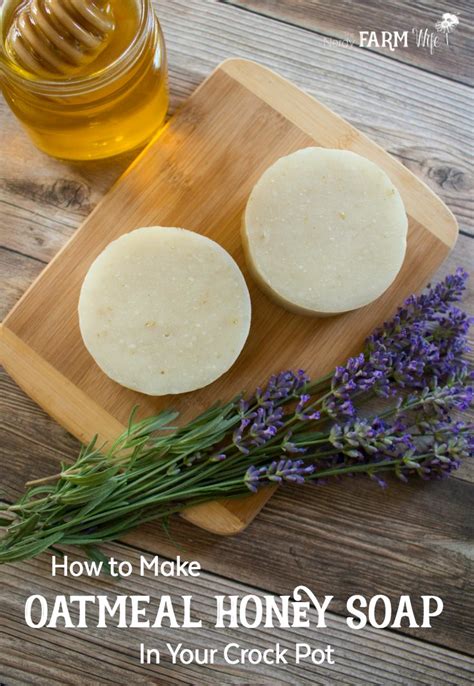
{"x":83,"y":83}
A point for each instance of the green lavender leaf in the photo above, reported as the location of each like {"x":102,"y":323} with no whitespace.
{"x":155,"y":469}
{"x":29,"y":549}
{"x":100,"y":497}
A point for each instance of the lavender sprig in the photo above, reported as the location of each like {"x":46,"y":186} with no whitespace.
{"x":292,"y":431}
{"x":291,"y":471}
{"x":425,"y":341}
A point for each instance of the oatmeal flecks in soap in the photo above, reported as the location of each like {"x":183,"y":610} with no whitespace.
{"x":164,"y":310}
{"x":324,"y":231}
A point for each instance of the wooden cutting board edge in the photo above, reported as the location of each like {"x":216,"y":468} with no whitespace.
{"x":299,"y":108}
{"x":49,"y":388}
{"x":40,"y":380}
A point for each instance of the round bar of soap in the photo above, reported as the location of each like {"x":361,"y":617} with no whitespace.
{"x":164,"y":310}
{"x":324,"y":231}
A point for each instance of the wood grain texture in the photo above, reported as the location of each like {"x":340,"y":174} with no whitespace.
{"x":424,"y":121}
{"x":103,"y":656}
{"x":23,"y":423}
{"x":344,"y":19}
{"x":431,"y":133}
{"x":420,"y":118}
{"x":351,"y":537}
{"x":198,"y":174}
{"x":344,"y":538}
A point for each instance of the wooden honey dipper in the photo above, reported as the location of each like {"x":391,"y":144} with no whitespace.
{"x":57,"y":37}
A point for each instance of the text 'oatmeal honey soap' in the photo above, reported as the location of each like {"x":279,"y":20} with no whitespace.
{"x":324,"y":231}
{"x":164,"y":310}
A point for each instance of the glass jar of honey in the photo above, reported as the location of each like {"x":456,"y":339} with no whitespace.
{"x":111,"y":104}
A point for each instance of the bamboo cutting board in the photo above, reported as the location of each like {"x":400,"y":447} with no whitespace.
{"x":198,"y":174}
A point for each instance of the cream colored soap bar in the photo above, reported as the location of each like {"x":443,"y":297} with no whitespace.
{"x":324,"y":231}
{"x":164,"y":310}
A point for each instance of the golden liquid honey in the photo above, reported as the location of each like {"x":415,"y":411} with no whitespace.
{"x":110,"y":105}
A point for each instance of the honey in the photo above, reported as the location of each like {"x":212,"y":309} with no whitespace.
{"x":100,"y":106}
{"x":50,"y":37}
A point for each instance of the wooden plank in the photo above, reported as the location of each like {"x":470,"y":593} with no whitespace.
{"x":25,"y":167}
{"x":17,"y":271}
{"x":347,"y":538}
{"x":412,"y":539}
{"x":343,"y":21}
{"x":41,"y":343}
{"x":75,"y":656}
{"x":432,"y":133}
{"x":28,"y":429}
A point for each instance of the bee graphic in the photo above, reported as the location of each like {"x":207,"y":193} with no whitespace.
{"x":447,"y":24}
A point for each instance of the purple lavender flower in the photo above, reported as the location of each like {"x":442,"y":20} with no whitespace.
{"x":425,"y":342}
{"x":427,"y":336}
{"x":283,"y":386}
{"x":428,"y":305}
{"x":243,"y":407}
{"x":305,"y":415}
{"x":238,"y":436}
{"x":363,"y":439}
{"x":258,"y":427}
{"x":436,"y":460}
{"x":289,"y":446}
{"x":339,"y":409}
{"x":439,"y":400}
{"x":218,"y":457}
{"x":291,"y":471}
{"x":416,"y":362}
{"x":262,"y":416}
{"x":356,"y":376}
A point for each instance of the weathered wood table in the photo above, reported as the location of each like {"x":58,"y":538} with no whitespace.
{"x":344,"y":538}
